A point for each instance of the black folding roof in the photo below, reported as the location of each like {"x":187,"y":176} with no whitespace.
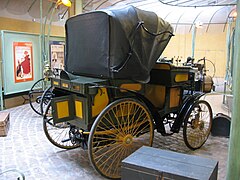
{"x":121,"y":43}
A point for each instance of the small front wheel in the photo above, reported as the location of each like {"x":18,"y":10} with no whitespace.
{"x":120,"y":129}
{"x":197,"y":124}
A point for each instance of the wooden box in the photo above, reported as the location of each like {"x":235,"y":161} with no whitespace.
{"x":4,"y":123}
{"x":149,"y":163}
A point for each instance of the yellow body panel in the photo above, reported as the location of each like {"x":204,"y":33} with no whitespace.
{"x":181,"y":77}
{"x":65,"y":85}
{"x":101,"y":100}
{"x":76,"y":87}
{"x":162,"y":66}
{"x":62,"y":109}
{"x":156,"y":94}
{"x":56,"y":83}
{"x":133,"y":86}
{"x":79,"y":109}
{"x":174,"y":97}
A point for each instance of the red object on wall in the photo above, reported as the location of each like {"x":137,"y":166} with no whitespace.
{"x":23,"y":61}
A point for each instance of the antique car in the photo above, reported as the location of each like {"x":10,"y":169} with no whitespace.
{"x":113,"y":96}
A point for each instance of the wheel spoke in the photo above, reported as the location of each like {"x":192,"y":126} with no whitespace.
{"x":198,"y":124}
{"x":116,"y":133}
{"x":135,"y":131}
{"x":56,"y":133}
{"x":121,"y":131}
{"x":136,"y":121}
{"x":99,"y":157}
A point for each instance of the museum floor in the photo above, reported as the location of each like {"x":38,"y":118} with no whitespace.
{"x":27,"y":150}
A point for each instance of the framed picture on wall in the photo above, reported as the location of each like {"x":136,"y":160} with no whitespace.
{"x":57,"y":54}
{"x":23,"y":61}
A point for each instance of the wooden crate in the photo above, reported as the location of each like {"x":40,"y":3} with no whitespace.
{"x":149,"y":163}
{"x":4,"y":123}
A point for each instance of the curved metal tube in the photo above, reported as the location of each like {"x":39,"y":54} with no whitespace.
{"x":212,"y":17}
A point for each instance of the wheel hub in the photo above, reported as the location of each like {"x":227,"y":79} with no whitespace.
{"x":201,"y":125}
{"x":195,"y":124}
{"x":127,"y":140}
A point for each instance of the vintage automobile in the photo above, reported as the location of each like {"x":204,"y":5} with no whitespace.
{"x":113,"y":96}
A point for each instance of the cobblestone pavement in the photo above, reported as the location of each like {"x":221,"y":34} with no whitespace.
{"x":27,"y":150}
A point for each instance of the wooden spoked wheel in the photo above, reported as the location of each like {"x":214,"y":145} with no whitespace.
{"x":35,"y":94}
{"x":120,"y":129}
{"x":45,"y":99}
{"x":57,"y":133}
{"x":197,"y":125}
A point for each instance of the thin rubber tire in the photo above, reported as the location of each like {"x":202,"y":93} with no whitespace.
{"x":197,"y":124}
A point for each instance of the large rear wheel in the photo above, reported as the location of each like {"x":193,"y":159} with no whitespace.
{"x":58,"y":134}
{"x":197,"y":124}
{"x":120,"y":129}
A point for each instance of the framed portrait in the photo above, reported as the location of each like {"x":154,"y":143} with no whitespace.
{"x":23,"y":61}
{"x":57,"y":49}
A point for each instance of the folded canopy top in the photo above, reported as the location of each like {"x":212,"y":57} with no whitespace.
{"x":121,"y":43}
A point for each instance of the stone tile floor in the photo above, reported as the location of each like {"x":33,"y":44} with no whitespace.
{"x":27,"y":150}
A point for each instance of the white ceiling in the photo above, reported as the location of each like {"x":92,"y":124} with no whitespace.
{"x":30,"y":10}
{"x":199,"y":3}
{"x":185,"y":17}
{"x":182,"y":14}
